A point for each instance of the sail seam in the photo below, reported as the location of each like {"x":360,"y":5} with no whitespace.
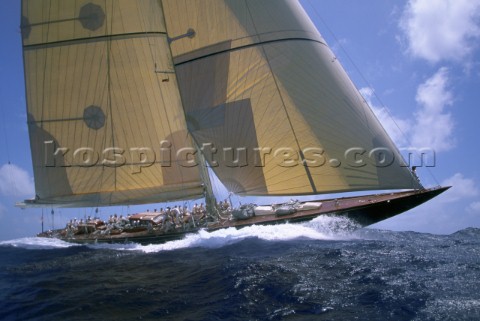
{"x":93,"y":39}
{"x":109,"y":62}
{"x":246,"y":47}
{"x":307,"y":170}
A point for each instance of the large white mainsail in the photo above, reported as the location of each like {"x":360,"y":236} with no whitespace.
{"x":104,"y":112}
{"x":257,"y":79}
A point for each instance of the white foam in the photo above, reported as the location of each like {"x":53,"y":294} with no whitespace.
{"x":216,"y":239}
{"x":322,"y":228}
{"x":38,"y":243}
{"x":338,"y":228}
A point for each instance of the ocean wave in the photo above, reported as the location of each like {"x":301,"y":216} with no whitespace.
{"x":317,"y":269}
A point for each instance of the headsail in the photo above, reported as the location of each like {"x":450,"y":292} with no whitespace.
{"x":104,"y":112}
{"x":257,"y":79}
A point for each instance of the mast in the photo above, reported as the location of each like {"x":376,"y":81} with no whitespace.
{"x":210,"y":200}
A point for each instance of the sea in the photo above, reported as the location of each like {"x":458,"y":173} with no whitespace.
{"x":320,"y":270}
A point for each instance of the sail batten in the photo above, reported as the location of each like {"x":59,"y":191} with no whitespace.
{"x":100,"y":38}
{"x":220,"y":49}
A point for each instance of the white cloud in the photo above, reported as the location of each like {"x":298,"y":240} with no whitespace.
{"x":15,"y":181}
{"x":396,"y":128}
{"x":441,"y":29}
{"x":474,"y":208}
{"x":462,"y":188}
{"x":434,"y":127}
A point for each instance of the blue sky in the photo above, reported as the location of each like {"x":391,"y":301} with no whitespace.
{"x":416,"y":61}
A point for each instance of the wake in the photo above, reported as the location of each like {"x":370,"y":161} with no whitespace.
{"x":38,"y":243}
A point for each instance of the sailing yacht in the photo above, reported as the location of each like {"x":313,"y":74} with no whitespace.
{"x":134,"y":102}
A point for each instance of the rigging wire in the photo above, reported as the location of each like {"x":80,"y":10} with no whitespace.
{"x":9,"y":166}
{"x":42,"y":220}
{"x":364,"y":79}
{"x":4,"y":127}
{"x":53,"y":218}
